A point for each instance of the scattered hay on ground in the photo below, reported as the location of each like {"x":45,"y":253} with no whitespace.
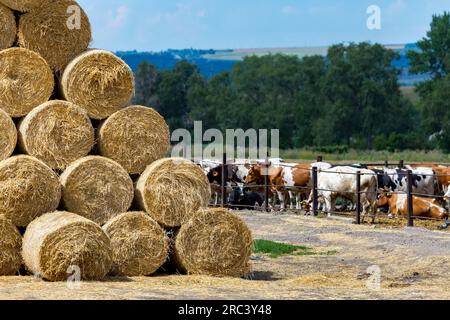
{"x":172,"y":190}
{"x":58,"y":133}
{"x":26,"y":81}
{"x":134,"y":137}
{"x":140,"y":246}
{"x":28,"y":189}
{"x":99,"y":81}
{"x":52,"y":30}
{"x":60,"y":243}
{"x":96,"y":188}
{"x":214,"y":242}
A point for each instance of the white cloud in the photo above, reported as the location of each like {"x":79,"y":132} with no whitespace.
{"x":119,"y":18}
{"x":289,"y":10}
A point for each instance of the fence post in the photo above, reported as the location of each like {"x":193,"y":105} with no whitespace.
{"x":386,"y":164}
{"x":266,"y":183}
{"x":410,"y":200}
{"x":223,"y":182}
{"x":401,"y":164}
{"x":315,"y":193}
{"x":358,"y":197}
{"x":319,"y":159}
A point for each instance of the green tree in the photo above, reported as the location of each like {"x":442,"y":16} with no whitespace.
{"x":434,"y":58}
{"x":146,"y":79}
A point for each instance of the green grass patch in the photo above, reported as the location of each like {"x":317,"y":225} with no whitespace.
{"x":278,"y":249}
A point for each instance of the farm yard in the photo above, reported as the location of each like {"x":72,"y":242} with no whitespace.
{"x":412,"y":263}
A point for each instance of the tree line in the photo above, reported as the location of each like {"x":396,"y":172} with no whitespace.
{"x":350,"y":98}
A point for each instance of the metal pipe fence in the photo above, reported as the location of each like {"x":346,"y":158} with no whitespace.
{"x":315,"y":192}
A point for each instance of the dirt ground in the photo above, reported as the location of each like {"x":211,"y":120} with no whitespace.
{"x":410,"y":263}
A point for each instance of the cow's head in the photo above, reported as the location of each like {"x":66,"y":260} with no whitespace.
{"x":383,"y":199}
{"x":254,"y":175}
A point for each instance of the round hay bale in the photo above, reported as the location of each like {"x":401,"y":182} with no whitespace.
{"x":8,"y":137}
{"x":134,"y":137}
{"x":96,"y":188}
{"x":98,"y":81}
{"x":140,"y":246}
{"x":26,"y":81}
{"x":10,"y":246}
{"x":58,"y":133}
{"x":23,"y":5}
{"x":8,"y":28}
{"x":28,"y":189}
{"x":214,"y":242}
{"x":59,"y":241}
{"x":55,"y":32}
{"x":172,"y":190}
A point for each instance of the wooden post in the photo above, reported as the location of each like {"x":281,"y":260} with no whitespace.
{"x":386,"y":164}
{"x":223,"y":183}
{"x":358,"y":197}
{"x":266,"y":183}
{"x":315,"y":192}
{"x":410,"y":200}
{"x":401,"y":164}
{"x":319,"y":159}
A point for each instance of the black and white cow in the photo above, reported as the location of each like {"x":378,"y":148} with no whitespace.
{"x":395,"y":180}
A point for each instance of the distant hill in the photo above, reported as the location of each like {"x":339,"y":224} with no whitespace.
{"x":213,"y":62}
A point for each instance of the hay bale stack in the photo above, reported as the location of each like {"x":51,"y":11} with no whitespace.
{"x":28,"y":189}
{"x":134,"y":137}
{"x":52,"y":31}
{"x":172,"y":190}
{"x":8,"y":135}
{"x":96,"y":188}
{"x":26,"y":81}
{"x":23,"y":5}
{"x":8,"y":28}
{"x":140,"y":246}
{"x":214,"y":242}
{"x":98,"y":81}
{"x":59,"y":240}
{"x":58,"y":133}
{"x":10,"y":246}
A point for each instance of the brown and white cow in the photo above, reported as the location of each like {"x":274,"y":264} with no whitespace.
{"x":442,"y":178}
{"x":422,"y":207}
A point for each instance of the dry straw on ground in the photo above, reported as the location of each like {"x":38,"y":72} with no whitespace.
{"x":23,"y":5}
{"x":172,"y":190}
{"x":26,"y":81}
{"x":140,"y":246}
{"x":8,"y":28}
{"x":214,"y":242}
{"x":61,"y":242}
{"x":53,"y":31}
{"x":134,"y":137}
{"x":96,"y":188}
{"x":10,"y":246}
{"x":28,"y":189}
{"x":57,"y":132}
{"x":8,"y":136}
{"x":99,"y":81}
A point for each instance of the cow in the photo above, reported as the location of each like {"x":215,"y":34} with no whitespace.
{"x":286,"y":179}
{"x":243,"y":198}
{"x":422,"y":207}
{"x":442,"y":178}
{"x":397,"y":180}
{"x":340,"y":181}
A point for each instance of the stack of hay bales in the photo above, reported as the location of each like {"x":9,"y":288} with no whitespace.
{"x":67,"y":164}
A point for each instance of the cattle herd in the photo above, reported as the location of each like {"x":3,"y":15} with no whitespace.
{"x":290,"y":185}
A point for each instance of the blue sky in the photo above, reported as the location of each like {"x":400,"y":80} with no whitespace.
{"x":153,"y":25}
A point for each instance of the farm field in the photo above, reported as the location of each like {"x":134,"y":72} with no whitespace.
{"x":412,"y":262}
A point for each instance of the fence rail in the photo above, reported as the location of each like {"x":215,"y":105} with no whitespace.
{"x":314,"y":188}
